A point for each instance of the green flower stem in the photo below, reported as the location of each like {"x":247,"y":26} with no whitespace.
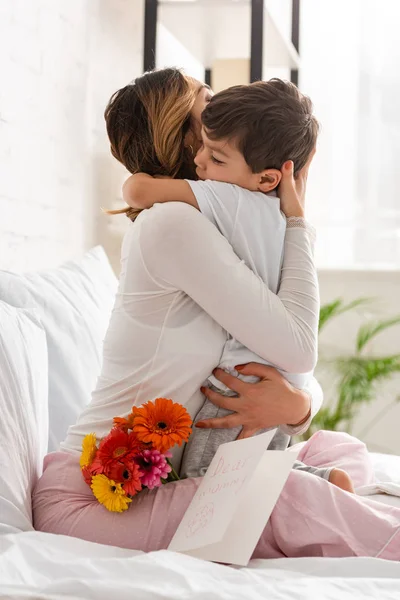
{"x":173,"y":474}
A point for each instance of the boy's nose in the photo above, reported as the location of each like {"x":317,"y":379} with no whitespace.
{"x":199,"y":158}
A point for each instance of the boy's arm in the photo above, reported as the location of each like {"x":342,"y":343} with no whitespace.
{"x":142,"y":191}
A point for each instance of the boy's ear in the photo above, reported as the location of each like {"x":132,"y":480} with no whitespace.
{"x":269,"y":180}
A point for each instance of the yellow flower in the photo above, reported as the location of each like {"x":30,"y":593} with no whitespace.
{"x":109,"y":493}
{"x":88,"y":450}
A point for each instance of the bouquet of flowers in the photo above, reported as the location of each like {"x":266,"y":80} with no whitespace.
{"x":135,"y":454}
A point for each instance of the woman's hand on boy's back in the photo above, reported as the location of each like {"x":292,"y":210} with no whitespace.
{"x":269,"y":403}
{"x":292,"y":190}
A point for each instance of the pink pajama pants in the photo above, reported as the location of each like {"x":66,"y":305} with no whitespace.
{"x":311,"y":518}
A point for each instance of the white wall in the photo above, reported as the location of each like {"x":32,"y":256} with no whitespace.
{"x":379,"y":429}
{"x":60,"y":60}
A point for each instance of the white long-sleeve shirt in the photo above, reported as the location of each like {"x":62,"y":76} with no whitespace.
{"x":253,"y":224}
{"x":181,"y":288}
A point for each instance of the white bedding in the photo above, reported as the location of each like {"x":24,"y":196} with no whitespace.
{"x":41,"y":565}
{"x":38,"y":565}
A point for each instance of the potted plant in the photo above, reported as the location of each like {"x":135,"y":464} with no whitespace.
{"x":357,"y":375}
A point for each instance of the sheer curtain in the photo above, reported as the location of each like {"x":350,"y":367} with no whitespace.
{"x":351,"y":69}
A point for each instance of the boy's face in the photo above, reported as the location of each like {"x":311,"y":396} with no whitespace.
{"x":220,"y":160}
{"x":193,"y":136}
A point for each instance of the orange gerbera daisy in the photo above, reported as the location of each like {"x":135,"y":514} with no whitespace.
{"x":117,"y":446}
{"x":124,"y":424}
{"x":162,"y":423}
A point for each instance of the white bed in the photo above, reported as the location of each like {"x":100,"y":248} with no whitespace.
{"x":37,"y":565}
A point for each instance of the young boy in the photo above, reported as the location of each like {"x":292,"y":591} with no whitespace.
{"x":248,"y":133}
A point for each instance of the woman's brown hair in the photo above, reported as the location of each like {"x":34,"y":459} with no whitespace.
{"x":147,"y":122}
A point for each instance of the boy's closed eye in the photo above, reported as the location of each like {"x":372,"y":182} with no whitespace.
{"x":216,"y":161}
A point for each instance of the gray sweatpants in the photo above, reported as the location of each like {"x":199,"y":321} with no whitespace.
{"x":203,"y":444}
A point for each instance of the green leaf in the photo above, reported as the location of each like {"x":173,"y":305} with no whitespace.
{"x":357,"y":385}
{"x":367,"y":332}
{"x":358,"y":376}
{"x":367,"y":367}
{"x":327,"y":311}
{"x":338,"y":307}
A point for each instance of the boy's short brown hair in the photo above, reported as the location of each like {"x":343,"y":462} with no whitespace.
{"x":270,"y":121}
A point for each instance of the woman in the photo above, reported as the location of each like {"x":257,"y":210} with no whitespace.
{"x":171,"y":259}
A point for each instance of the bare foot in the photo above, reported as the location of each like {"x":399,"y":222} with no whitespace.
{"x":342,"y":480}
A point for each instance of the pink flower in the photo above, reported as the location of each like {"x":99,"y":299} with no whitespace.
{"x":154,"y":467}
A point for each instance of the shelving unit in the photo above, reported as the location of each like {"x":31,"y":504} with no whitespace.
{"x":257,"y":31}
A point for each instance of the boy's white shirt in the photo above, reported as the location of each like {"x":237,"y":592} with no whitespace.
{"x":255,"y":227}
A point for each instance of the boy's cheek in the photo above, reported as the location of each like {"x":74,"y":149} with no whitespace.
{"x":201,"y":174}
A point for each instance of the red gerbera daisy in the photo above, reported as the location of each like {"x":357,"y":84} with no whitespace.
{"x":118,"y":446}
{"x":96,"y":468}
{"x":126,"y":474}
{"x":87,"y":475}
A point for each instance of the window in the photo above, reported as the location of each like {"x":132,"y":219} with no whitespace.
{"x":350,"y":59}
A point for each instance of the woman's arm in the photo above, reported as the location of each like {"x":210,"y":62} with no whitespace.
{"x":182,"y":250}
{"x":316,"y":396}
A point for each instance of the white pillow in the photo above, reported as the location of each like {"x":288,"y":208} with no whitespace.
{"x":74,"y":302}
{"x":23,"y":414}
{"x":386,"y":467}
